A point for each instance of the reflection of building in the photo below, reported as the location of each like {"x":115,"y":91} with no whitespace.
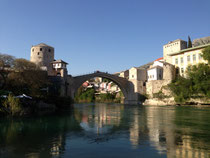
{"x":161,"y":132}
{"x":164,"y":137}
{"x":186,"y":150}
{"x":134,"y":130}
{"x":103,"y":119}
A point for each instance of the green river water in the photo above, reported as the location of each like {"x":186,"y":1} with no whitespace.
{"x":109,"y":131}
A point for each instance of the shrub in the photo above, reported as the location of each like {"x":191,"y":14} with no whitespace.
{"x":12,"y":105}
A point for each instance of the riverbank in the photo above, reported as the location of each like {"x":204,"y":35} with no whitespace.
{"x":24,"y":107}
{"x":171,"y":102}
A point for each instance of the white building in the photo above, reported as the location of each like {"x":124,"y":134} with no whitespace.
{"x":59,"y":67}
{"x":155,"y":72}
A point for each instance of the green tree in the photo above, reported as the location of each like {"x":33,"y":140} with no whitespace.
{"x":182,"y":89}
{"x":27,"y":78}
{"x":197,"y":82}
{"x":199,"y":75}
{"x":6,"y":63}
{"x":189,"y":42}
{"x":206,"y":54}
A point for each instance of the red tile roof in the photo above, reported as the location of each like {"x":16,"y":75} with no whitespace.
{"x":159,"y":59}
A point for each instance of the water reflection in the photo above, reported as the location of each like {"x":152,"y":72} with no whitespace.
{"x":112,"y":129}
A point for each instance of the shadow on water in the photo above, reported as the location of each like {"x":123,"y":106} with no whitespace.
{"x":109,"y":130}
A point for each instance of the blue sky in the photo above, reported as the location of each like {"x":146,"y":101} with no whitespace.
{"x":105,"y":35}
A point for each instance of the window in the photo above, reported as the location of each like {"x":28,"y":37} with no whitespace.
{"x":200,"y":57}
{"x":188,"y":58}
{"x":132,"y":76}
{"x":40,"y":49}
{"x":182,"y":70}
{"x":49,"y":50}
{"x":176,"y":60}
{"x":182,"y":60}
{"x":32,"y":50}
{"x":38,"y":53}
{"x":194,"y":57}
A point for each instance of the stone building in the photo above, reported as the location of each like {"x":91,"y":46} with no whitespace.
{"x":59,"y":68}
{"x":43,"y":55}
{"x":172,"y":47}
{"x":124,"y":74}
{"x":138,"y":76}
{"x":157,"y":84}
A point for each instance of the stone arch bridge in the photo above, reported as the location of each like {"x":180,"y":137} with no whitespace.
{"x":125,"y":85}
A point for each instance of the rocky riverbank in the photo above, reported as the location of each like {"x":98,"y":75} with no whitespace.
{"x":170,"y":101}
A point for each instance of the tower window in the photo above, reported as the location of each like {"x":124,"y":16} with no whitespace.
{"x":32,"y":50}
{"x":40,"y":49}
{"x":49,"y":50}
{"x":38,"y":53}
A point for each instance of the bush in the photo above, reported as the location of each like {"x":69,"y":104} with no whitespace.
{"x":12,"y":105}
{"x":159,"y":95}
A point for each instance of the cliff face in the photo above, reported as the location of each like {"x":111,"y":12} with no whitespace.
{"x":201,"y":41}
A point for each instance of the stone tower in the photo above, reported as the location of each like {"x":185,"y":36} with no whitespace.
{"x":43,"y":56}
{"x":173,"y":47}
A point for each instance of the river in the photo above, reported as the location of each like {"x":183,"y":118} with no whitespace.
{"x":109,"y":131}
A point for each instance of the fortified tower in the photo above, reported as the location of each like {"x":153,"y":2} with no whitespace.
{"x":173,"y":47}
{"x":43,"y":56}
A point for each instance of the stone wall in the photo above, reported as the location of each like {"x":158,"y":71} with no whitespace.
{"x":157,"y":86}
{"x":169,"y":72}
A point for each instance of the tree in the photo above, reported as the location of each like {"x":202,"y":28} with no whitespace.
{"x":197,"y":84}
{"x":27,"y":78}
{"x":6,"y":60}
{"x":189,"y":42}
{"x":206,"y":54}
{"x":23,"y":64}
{"x":6,"y":63}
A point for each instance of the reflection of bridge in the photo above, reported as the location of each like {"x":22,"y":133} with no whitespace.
{"x":126,"y":86}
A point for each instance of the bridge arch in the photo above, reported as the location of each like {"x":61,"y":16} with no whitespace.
{"x":126,"y":86}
